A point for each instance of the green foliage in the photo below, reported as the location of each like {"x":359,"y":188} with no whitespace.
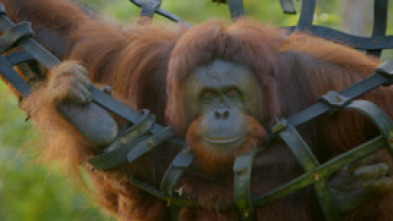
{"x":198,"y":11}
{"x":29,"y":191}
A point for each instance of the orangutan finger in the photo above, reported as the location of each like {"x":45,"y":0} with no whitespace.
{"x":82,"y":78}
{"x":379,"y":185}
{"x":81,"y":92}
{"x":372,"y":171}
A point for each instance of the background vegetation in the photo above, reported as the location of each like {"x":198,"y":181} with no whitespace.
{"x":30,"y":191}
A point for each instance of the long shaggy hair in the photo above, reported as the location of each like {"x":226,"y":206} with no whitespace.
{"x":239,"y":43}
{"x":147,"y":66}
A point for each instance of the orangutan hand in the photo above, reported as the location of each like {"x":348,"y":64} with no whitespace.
{"x":69,"y":88}
{"x":68,"y":82}
{"x":361,"y":182}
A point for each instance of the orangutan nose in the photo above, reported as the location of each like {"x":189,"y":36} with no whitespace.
{"x":221,"y":114}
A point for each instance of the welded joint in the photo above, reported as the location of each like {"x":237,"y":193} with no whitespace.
{"x":335,"y":99}
{"x":279,"y":126}
{"x":386,"y":70}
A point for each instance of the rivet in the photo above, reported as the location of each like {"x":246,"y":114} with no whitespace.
{"x":123,"y":140}
{"x":315,"y":176}
{"x":279,"y":126}
{"x":150,"y":143}
{"x":168,"y":203}
{"x":246,"y":214}
{"x":338,"y":99}
{"x":179,"y":191}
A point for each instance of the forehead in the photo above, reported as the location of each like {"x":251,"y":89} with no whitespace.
{"x":222,"y":73}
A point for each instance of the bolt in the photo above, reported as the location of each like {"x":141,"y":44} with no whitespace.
{"x":338,"y":99}
{"x":246,"y":213}
{"x":315,"y":176}
{"x":179,"y":191}
{"x":150,"y":143}
{"x":123,"y":140}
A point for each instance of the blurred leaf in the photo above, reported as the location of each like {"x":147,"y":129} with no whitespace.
{"x":28,"y":191}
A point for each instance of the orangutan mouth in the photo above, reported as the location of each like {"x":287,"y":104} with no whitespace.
{"x":224,"y":141}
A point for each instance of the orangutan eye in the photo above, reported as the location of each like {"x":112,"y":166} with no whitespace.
{"x":207,"y":94}
{"x":232,"y":93}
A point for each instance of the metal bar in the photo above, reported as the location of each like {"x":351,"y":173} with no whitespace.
{"x":288,"y":7}
{"x":30,"y":45}
{"x":163,"y":13}
{"x":308,"y":161}
{"x":242,"y":168}
{"x":380,"y":22}
{"x":352,"y":92}
{"x":306,"y":15}
{"x":13,"y":78}
{"x":380,"y":17}
{"x":365,"y":43}
{"x":236,"y":8}
{"x":149,"y":7}
{"x":324,"y":170}
{"x":109,"y":103}
{"x":18,"y":57}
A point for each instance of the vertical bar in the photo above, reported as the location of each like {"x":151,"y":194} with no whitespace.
{"x":306,"y":15}
{"x":380,"y":23}
{"x":288,"y":7}
{"x":236,"y":9}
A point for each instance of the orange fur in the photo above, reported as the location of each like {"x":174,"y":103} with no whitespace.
{"x":217,"y":162}
{"x":239,"y":43}
{"x":147,"y":66}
